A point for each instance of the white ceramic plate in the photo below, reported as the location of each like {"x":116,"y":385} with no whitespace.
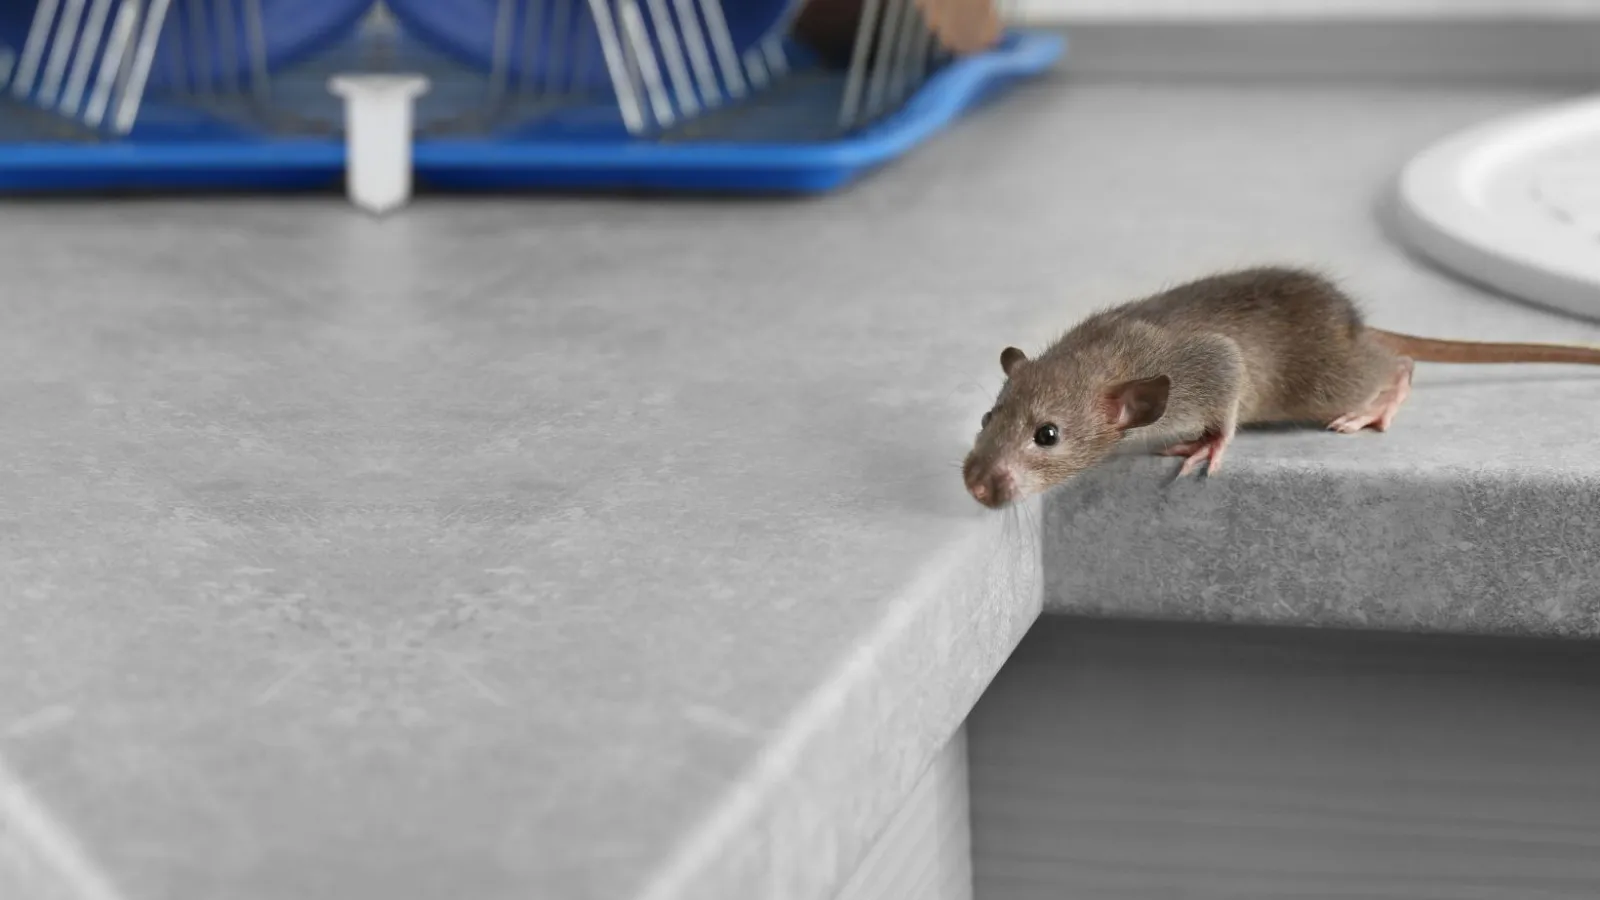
{"x":1514,"y":204}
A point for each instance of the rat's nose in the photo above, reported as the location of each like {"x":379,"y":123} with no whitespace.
{"x":990,"y":488}
{"x":973,"y":478}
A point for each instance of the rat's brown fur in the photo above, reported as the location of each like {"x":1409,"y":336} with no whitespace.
{"x":1258,"y":345}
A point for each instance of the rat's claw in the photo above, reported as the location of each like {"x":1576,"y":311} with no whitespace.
{"x":1208,"y":450}
{"x":1350,"y":424}
{"x":1193,"y":462}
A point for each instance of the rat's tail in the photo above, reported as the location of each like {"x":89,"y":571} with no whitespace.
{"x":1431,"y":350}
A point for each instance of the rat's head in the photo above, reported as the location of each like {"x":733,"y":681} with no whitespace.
{"x":1050,"y":422}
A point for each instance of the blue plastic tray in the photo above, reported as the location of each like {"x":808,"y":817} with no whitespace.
{"x":782,"y":140}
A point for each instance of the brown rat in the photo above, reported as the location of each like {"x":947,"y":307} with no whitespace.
{"x":1183,"y":369}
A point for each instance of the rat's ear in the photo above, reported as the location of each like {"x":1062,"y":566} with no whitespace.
{"x":1134,"y":404}
{"x":1010,"y":358}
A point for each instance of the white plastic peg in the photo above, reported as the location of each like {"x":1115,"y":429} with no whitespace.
{"x":378,"y":118}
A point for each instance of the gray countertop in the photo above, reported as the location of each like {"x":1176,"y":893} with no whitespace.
{"x":616,"y":549}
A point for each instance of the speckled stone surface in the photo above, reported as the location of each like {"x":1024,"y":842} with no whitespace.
{"x":615,"y":549}
{"x":1491,"y":538}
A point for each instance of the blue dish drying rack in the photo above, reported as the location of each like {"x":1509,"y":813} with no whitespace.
{"x":256,"y":114}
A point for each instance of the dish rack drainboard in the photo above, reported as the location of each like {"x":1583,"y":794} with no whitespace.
{"x":667,"y":95}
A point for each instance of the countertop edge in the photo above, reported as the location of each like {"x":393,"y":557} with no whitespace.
{"x":1497,"y":49}
{"x":1471,"y":551}
{"x":822,"y":790}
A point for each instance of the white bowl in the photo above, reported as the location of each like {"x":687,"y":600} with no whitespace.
{"x":1514,"y":204}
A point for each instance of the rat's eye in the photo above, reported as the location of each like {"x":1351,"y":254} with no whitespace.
{"x":984,"y":423}
{"x":1047,"y":435}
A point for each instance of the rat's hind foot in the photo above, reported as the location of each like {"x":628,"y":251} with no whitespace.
{"x":1379,"y":412}
{"x":1208,"y":450}
{"x":1183,"y":449}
